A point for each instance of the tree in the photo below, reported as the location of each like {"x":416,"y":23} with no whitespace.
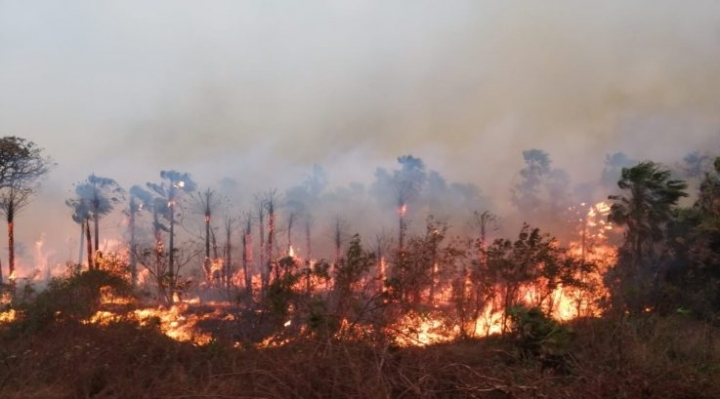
{"x":22,"y":164}
{"x":301,"y":201}
{"x":526,"y":195}
{"x":645,"y":207}
{"x":692,"y":274}
{"x":207,"y":202}
{"x":401,"y":188}
{"x":349,"y":274}
{"x":269,"y":202}
{"x":542,"y":193}
{"x":228,"y":269}
{"x":100,"y":195}
{"x":12,"y":200}
{"x":533,"y":259}
{"x":247,"y":256}
{"x":139,"y":199}
{"x":696,"y":165}
{"x":614,"y":163}
{"x":174,"y":184}
{"x":81,"y":215}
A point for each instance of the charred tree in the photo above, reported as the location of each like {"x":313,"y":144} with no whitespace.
{"x":139,"y":199}
{"x":12,"y":200}
{"x":264,"y":272}
{"x":291,"y":220}
{"x":400,"y":188}
{"x":171,"y":190}
{"x":270,"y":206}
{"x":101,"y":194}
{"x":88,"y":241}
{"x":22,"y":165}
{"x":80,"y":215}
{"x":308,"y":238}
{"x":207,"y":203}
{"x":227,"y":271}
{"x":247,"y":254}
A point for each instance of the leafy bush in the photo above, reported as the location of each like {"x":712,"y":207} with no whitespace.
{"x":540,"y":337}
{"x":71,"y":299}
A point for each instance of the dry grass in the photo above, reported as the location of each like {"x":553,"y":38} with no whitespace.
{"x":650,"y":358}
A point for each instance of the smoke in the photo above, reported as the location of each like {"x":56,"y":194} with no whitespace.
{"x":259,"y":92}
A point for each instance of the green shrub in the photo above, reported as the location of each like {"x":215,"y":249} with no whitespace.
{"x":74,"y":298}
{"x":538,"y":336}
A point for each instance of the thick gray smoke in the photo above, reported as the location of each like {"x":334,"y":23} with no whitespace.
{"x":260,"y":91}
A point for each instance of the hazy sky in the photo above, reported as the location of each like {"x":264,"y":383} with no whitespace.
{"x":261,"y":90}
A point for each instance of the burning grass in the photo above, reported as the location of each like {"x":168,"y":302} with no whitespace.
{"x":643,"y":358}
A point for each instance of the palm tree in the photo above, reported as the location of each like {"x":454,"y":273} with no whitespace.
{"x":170,"y":191}
{"x":81,"y":215}
{"x":207,"y":203}
{"x":650,"y":197}
{"x":100,"y":195}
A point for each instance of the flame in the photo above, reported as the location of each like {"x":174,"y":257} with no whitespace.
{"x":8,"y":316}
{"x":402,"y":210}
{"x":423,"y":330}
{"x":177,"y":322}
{"x":435,"y":325}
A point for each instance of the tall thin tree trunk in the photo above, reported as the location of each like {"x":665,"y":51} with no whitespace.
{"x":207,"y":235}
{"x":207,"y":263}
{"x":308,"y":242}
{"x":171,"y":261}
{"x":338,"y":242}
{"x":247,"y":257}
{"x":401,"y":233}
{"x":11,"y":238}
{"x":82,"y":243}
{"x":216,"y":255}
{"x":88,"y":239}
{"x":158,"y":253}
{"x":96,"y":219}
{"x":291,"y":219}
{"x":227,"y":270}
{"x":271,"y":237}
{"x":133,"y":248}
{"x":264,"y":271}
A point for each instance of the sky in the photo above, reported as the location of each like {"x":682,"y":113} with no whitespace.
{"x":259,"y":91}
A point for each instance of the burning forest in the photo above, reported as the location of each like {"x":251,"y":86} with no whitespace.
{"x":494,"y":199}
{"x":292,"y":269}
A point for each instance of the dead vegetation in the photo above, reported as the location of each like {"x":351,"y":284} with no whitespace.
{"x":640,"y":358}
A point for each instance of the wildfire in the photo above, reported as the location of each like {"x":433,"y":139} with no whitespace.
{"x":177,"y":322}
{"x":422,"y":330}
{"x":7,"y":316}
{"x":436,"y":324}
{"x":402,"y":210}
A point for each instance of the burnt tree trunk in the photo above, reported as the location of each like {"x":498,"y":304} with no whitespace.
{"x":88,"y":239}
{"x":11,"y":239}
{"x":271,"y":237}
{"x":264,"y":272}
{"x":227,"y":269}
{"x":133,"y":248}
{"x":247,"y":258}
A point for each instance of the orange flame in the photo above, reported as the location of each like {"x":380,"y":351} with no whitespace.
{"x":402,"y":210}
